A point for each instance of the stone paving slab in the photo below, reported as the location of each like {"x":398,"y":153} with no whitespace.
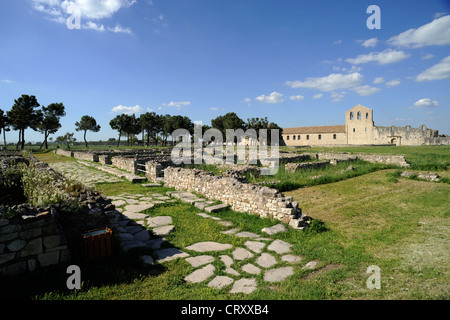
{"x":139,"y":207}
{"x":209,"y":246}
{"x":266,"y":260}
{"x":246,"y":234}
{"x":201,"y":274}
{"x":169,"y":254}
{"x":250,"y":268}
{"x":255,"y":246}
{"x":275,"y":229}
{"x":280,"y":246}
{"x":241,"y":254}
{"x":216,"y":208}
{"x":163,"y":231}
{"x":199,"y":260}
{"x":244,"y":285}
{"x":278,"y":274}
{"x":159,"y":221}
{"x":220,"y":281}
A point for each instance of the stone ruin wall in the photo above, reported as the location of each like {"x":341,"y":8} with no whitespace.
{"x":409,"y":136}
{"x":36,"y":237}
{"x":242,"y":197}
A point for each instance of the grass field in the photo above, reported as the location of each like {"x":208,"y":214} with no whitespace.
{"x":400,"y":225}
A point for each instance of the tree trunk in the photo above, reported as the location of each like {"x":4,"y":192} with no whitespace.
{"x":4,"y":138}
{"x":118,"y":142}
{"x":23,"y":139}
{"x":46,"y":137}
{"x":85,"y":142}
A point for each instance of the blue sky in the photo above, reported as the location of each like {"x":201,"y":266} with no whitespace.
{"x":300,"y":63}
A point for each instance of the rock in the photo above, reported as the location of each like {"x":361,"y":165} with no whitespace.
{"x":134,"y":215}
{"x":216,"y":208}
{"x":226,"y":223}
{"x":159,"y":221}
{"x":155,"y":243}
{"x":226,"y":260}
{"x":169,"y":254}
{"x":275,"y":229}
{"x":280,"y":246}
{"x":209,"y":246}
{"x":147,"y":260}
{"x":163,"y":231}
{"x":231,"y":231}
{"x":244,"y":285}
{"x":127,"y":245}
{"x":151,"y":185}
{"x":266,"y":260}
{"x":241,"y":254}
{"x":200,"y":274}
{"x":278,"y":274}
{"x":143,"y":235}
{"x":220,"y":281}
{"x":255,"y":246}
{"x":250,"y":268}
{"x":200,"y":260}
{"x":246,"y":234}
{"x":291,"y":258}
{"x":310,"y":265}
{"x":138,"y":207}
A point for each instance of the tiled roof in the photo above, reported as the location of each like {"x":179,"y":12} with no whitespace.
{"x":317,"y":129}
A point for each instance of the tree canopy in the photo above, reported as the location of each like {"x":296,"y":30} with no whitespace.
{"x":87,"y":123}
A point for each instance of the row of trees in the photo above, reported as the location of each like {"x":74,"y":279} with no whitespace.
{"x":25,"y":113}
{"x":152,"y":125}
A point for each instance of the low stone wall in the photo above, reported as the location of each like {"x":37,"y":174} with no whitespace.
{"x":27,"y":244}
{"x":292,"y":167}
{"x":374,"y":158}
{"x":153,"y":170}
{"x":262,"y":201}
{"x":88,"y":156}
{"x":105,"y":158}
{"x":127,"y":164}
{"x":66,"y":153}
{"x":35,"y":237}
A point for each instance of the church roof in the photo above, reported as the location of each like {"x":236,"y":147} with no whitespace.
{"x":316,"y":129}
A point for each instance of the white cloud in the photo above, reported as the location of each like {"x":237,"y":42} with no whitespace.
{"x":334,"y":81}
{"x":7,"y":81}
{"x":427,"y":56}
{"x":372,"y":42}
{"x":177,"y":104}
{"x":60,"y":10}
{"x":365,"y":90}
{"x":96,"y":9}
{"x":378,"y":80}
{"x":344,"y":69}
{"x":119,"y":29}
{"x":425,"y":103}
{"x":337,"y":42}
{"x":127,"y":110}
{"x":437,"y":32}
{"x":393,"y":83}
{"x":93,"y":26}
{"x":274,"y":97}
{"x":336,"y":96}
{"x":297,"y":97}
{"x":439,"y":14}
{"x":439,"y":71}
{"x":318,"y":96}
{"x":385,"y":57}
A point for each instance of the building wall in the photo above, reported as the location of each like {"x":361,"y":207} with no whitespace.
{"x":325,"y":139}
{"x":360,"y":130}
{"x":359,"y":125}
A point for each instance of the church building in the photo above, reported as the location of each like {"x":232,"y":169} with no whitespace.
{"x":359,"y":129}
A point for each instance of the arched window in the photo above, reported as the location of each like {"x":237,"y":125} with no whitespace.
{"x":287,"y":137}
{"x":351,"y":115}
{"x":293,"y":137}
{"x":367,"y":115}
{"x":307,"y":137}
{"x":320,"y":136}
{"x":359,"y":115}
{"x":298,"y":137}
{"x":334,"y":136}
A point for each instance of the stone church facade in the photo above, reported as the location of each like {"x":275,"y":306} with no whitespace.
{"x":359,"y":129}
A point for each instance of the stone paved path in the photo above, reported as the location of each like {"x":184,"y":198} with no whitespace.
{"x":260,"y":254}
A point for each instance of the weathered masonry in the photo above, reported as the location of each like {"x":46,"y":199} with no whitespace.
{"x":359,"y":129}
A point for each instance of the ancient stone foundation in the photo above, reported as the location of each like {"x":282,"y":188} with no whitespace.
{"x":262,"y":201}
